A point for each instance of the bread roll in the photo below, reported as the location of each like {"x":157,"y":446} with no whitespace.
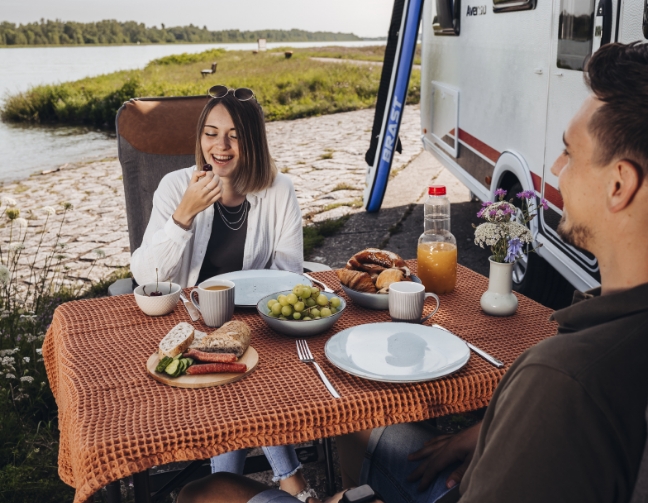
{"x":389,"y":276}
{"x":356,"y":280}
{"x":375,"y":261}
{"x":233,"y":337}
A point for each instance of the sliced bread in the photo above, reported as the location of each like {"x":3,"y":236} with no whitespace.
{"x":177,"y":340}
{"x":232,"y":337}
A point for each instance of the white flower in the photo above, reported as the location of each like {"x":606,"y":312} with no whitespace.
{"x":16,"y":245}
{"x":49,"y":210}
{"x":517,"y":230}
{"x":5,"y":274}
{"x":6,"y":352}
{"x":28,"y":379}
{"x":39,"y":351}
{"x":100,"y":253}
{"x":22,"y":222}
{"x":9,"y":201}
{"x":26,"y":359}
{"x":488,"y":234}
{"x":10,"y":376}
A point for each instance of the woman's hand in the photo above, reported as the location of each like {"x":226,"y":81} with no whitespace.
{"x":441,"y":452}
{"x":205,"y":188}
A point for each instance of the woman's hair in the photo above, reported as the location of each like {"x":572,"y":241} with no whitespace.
{"x":255,"y":170}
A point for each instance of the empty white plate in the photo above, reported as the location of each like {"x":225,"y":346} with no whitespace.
{"x":254,"y":284}
{"x":397,"y":352}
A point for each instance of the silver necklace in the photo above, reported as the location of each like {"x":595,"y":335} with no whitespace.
{"x":235,"y":212}
{"x":240,"y":221}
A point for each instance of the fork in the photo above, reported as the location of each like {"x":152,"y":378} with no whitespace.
{"x":305,"y":356}
{"x":326,"y":288}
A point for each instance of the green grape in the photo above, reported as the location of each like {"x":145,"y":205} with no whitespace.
{"x":334,"y":310}
{"x":292,"y":299}
{"x":318,"y":317}
{"x":314,"y":291}
{"x":297,"y":290}
{"x":287,"y":310}
{"x":306,"y":292}
{"x":282,"y":318}
{"x":271,"y":302}
{"x":310,"y":302}
{"x":322,"y":300}
{"x":273,"y":315}
{"x":276,"y":308}
{"x":297,"y":316}
{"x":283,"y":300}
{"x":325,"y":312}
{"x":307,"y":318}
{"x":315,"y":313}
{"x":335,"y":302}
{"x":299,"y":307}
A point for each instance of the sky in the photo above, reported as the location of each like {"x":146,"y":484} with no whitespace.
{"x":365,"y":18}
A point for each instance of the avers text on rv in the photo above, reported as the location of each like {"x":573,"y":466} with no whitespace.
{"x":480,"y":10}
{"x":392,"y":130}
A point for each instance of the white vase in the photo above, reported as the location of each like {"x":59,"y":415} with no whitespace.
{"x":499,"y":299}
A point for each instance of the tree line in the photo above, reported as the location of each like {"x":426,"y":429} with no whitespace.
{"x":47,"y":32}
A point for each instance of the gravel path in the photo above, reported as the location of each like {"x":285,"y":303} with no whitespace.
{"x":324,"y":156}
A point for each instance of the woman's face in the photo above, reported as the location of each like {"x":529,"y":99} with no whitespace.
{"x":219,"y":142}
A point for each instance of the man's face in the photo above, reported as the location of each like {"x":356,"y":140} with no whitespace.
{"x":581,"y":182}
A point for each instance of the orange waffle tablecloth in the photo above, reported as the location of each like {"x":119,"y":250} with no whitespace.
{"x":115,"y":420}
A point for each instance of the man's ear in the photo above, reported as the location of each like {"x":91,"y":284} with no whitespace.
{"x":624,"y":183}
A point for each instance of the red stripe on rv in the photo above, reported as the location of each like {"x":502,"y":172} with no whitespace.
{"x":479,"y":146}
{"x":553,"y":195}
{"x":537,"y":182}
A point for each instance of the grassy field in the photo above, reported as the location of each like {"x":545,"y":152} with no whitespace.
{"x":369,"y":53}
{"x":286,"y":88}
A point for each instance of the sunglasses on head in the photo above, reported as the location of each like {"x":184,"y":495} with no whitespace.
{"x":241,"y":94}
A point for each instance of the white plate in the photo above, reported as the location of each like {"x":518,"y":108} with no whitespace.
{"x":254,"y":284}
{"x":397,"y":352}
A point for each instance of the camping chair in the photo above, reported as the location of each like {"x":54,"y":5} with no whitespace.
{"x":154,"y":137}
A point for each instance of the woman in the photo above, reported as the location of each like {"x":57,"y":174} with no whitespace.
{"x":241,"y":214}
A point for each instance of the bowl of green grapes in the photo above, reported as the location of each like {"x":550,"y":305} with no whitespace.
{"x":302,"y":311}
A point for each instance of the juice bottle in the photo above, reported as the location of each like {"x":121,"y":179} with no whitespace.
{"x":437,"y":247}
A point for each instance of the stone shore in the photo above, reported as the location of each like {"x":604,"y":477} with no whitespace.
{"x":324,"y":156}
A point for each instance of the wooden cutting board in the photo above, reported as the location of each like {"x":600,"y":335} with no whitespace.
{"x":250,"y":358}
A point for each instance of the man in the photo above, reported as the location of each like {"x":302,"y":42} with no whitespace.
{"x":567,"y":421}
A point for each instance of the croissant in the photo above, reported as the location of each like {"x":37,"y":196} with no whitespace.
{"x":356,"y":280}
{"x":375,"y":261}
{"x":389,"y":276}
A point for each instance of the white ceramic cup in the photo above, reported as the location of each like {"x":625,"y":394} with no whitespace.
{"x":406,"y":300}
{"x":216,"y":306}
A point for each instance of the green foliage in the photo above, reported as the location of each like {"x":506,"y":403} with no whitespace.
{"x":314,"y":234}
{"x":111,"y":31}
{"x":368,"y":53}
{"x":286,"y":88}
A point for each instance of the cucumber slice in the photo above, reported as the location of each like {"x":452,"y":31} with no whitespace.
{"x":163,"y":364}
{"x":172,"y":368}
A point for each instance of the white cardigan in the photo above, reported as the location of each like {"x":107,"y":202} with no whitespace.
{"x":274,"y":237}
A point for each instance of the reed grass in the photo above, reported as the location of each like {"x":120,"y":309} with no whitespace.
{"x":286,"y":88}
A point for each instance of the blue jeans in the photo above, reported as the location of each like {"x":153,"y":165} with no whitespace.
{"x":282,"y":459}
{"x":385,"y":467}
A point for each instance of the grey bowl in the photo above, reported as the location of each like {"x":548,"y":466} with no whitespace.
{"x":378,"y":301}
{"x":298,"y":328}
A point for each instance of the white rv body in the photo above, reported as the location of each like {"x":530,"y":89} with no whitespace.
{"x":495,"y":103}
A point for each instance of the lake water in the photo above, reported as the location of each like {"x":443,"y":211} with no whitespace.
{"x":30,"y":149}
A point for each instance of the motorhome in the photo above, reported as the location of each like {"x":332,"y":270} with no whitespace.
{"x":500,"y":81}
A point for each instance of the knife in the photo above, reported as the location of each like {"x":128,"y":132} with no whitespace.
{"x":191,"y":309}
{"x":480,"y":352}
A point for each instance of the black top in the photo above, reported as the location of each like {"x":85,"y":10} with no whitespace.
{"x":225,"y":249}
{"x":567,"y":421}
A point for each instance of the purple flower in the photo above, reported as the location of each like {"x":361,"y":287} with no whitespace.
{"x":527,"y":194}
{"x":514,"y":250}
{"x":544,"y":203}
{"x":481,"y":212}
{"x":501,"y":193}
{"x":486,"y":203}
{"x":493,"y":213}
{"x":507,"y":210}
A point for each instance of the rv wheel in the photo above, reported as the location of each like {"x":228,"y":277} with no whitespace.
{"x":535,"y":278}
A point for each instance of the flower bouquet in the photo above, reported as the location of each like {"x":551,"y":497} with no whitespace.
{"x":506,"y":233}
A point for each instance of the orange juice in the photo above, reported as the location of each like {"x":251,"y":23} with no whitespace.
{"x":437,"y":266}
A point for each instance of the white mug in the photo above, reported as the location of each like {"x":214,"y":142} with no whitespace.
{"x":216,"y":306}
{"x":406,"y":300}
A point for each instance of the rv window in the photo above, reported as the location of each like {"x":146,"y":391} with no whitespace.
{"x":645,"y":23}
{"x":575,"y":30}
{"x":513,"y":5}
{"x":446,"y":20}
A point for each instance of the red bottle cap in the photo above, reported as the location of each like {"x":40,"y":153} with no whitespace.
{"x":437,"y":190}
